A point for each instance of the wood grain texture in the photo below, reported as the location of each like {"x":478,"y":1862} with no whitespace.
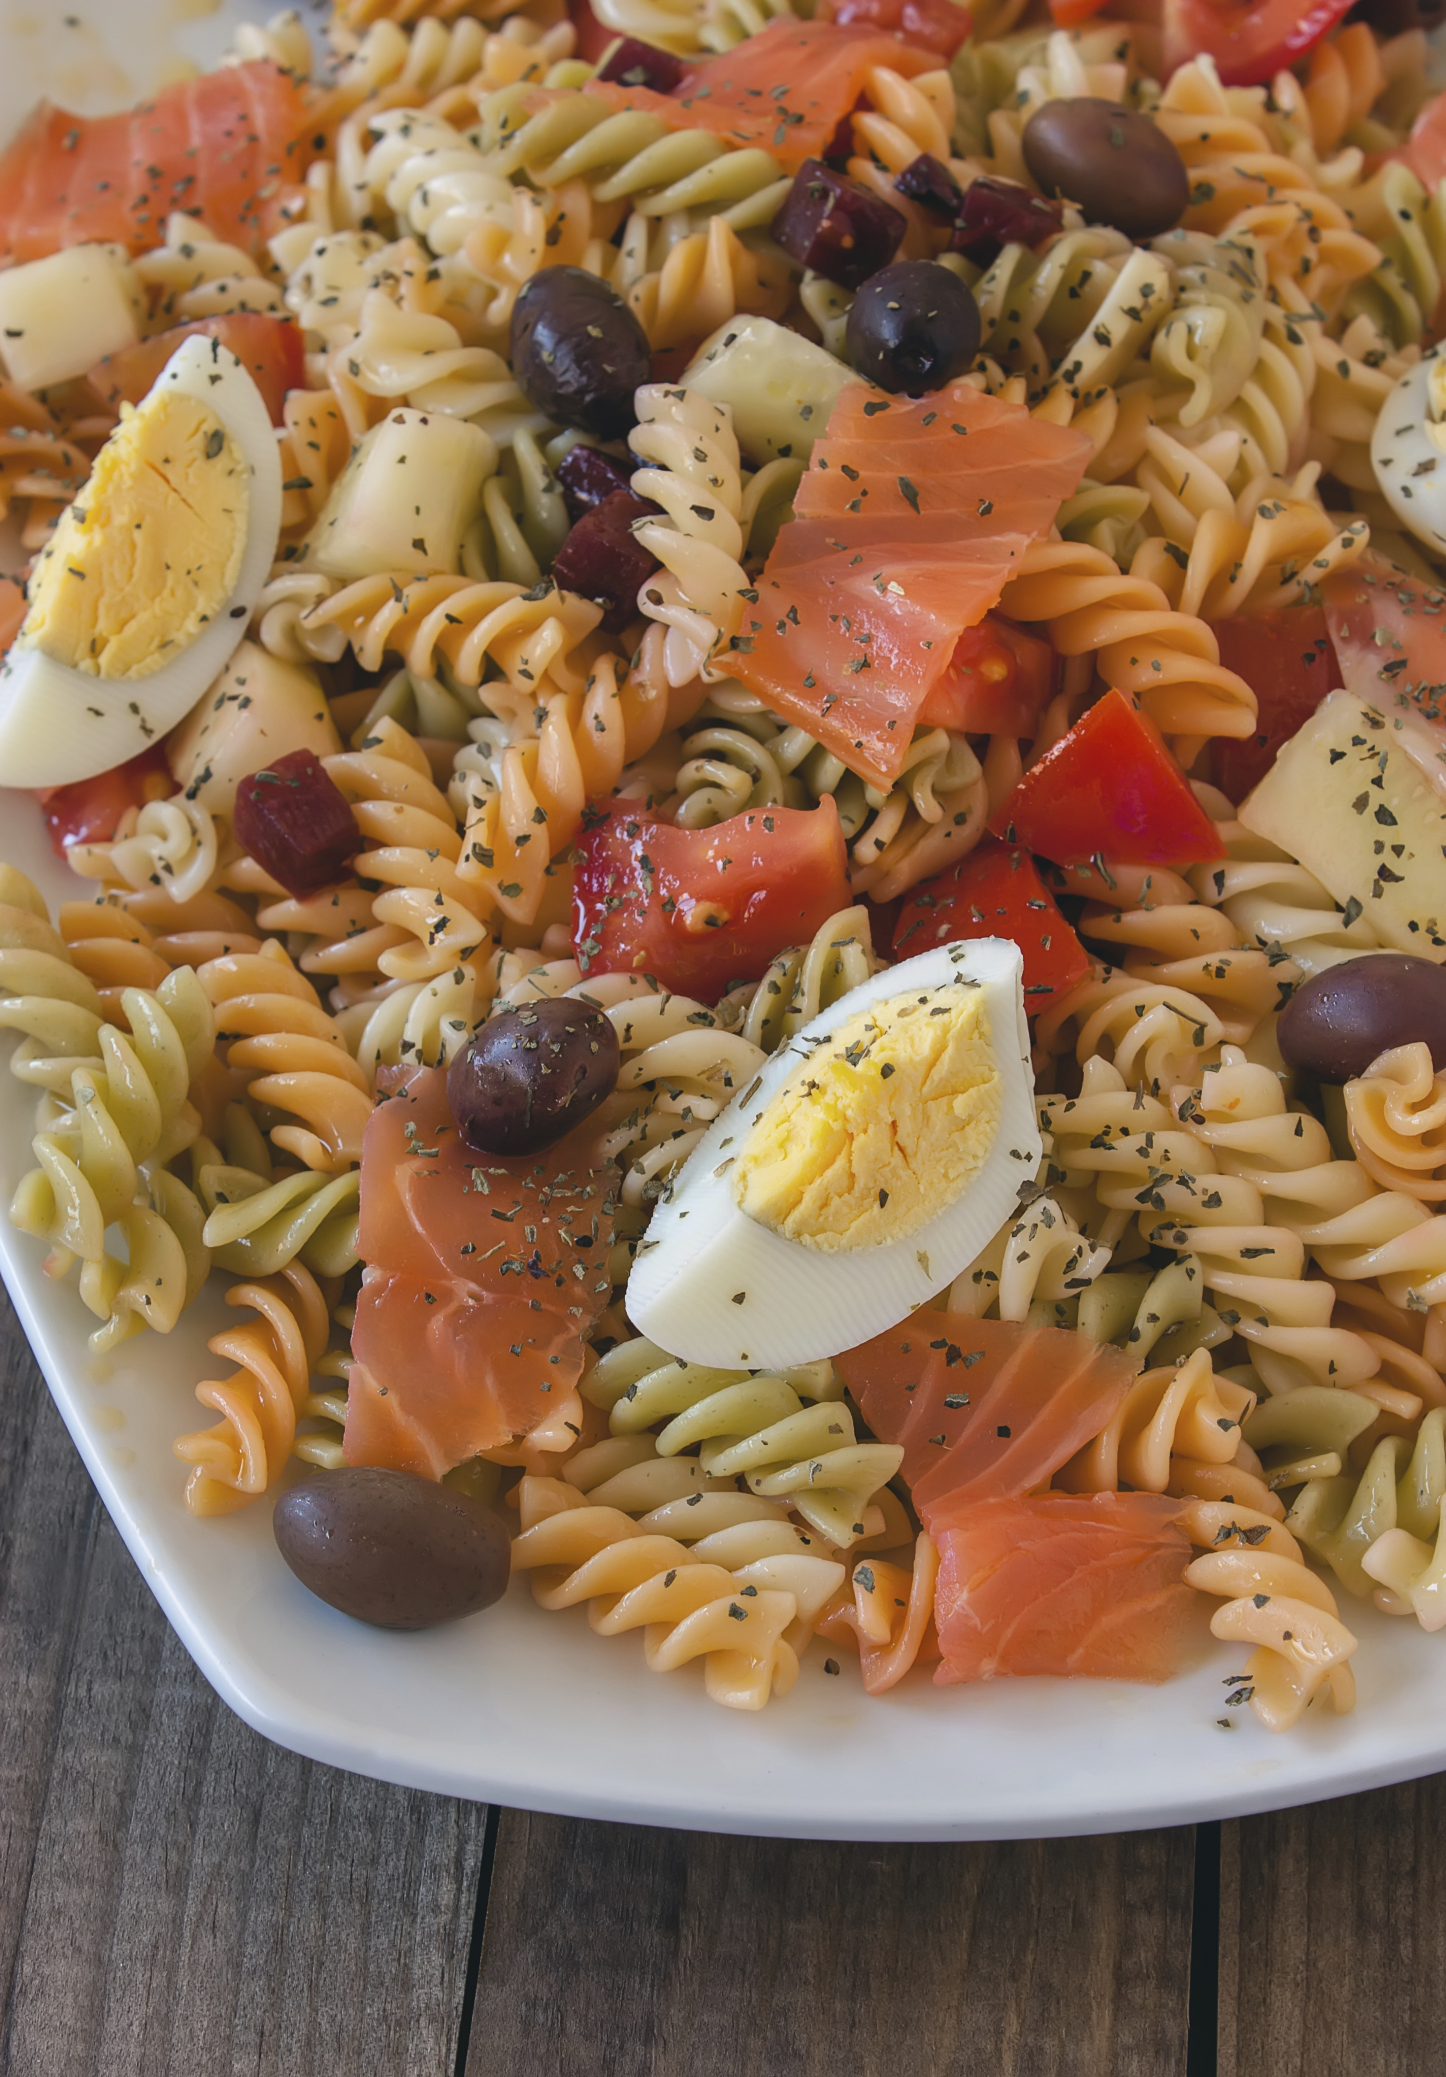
{"x":177,"y":1895}
{"x":1333,"y":1938}
{"x":645,"y":1953}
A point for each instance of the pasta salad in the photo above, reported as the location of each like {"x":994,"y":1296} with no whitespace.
{"x":747,"y":704}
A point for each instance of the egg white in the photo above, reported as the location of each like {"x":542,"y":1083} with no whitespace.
{"x":1409,"y":464}
{"x":801,"y":1303}
{"x":58,"y":724}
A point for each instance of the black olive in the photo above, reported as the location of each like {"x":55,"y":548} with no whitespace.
{"x":532,"y":1073}
{"x":1116,"y":164}
{"x":390,"y":1548}
{"x":1336,"y":1024}
{"x":913,"y":326}
{"x":578,"y":352}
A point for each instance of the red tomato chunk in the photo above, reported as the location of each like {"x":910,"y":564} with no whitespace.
{"x":698,"y":909}
{"x":1287,"y":660}
{"x":996,"y":892}
{"x":998,"y":682}
{"x":88,"y":811}
{"x":270,"y":349}
{"x":1109,"y":789}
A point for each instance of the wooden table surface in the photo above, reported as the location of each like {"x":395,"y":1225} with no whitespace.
{"x":178,"y":1898}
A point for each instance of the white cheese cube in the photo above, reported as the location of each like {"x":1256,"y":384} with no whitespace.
{"x":1354,"y":795}
{"x":779,"y":386}
{"x":259,"y":709}
{"x":60,"y":315}
{"x":405,"y":499}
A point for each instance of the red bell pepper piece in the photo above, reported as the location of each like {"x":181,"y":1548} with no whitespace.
{"x":1109,"y":789}
{"x":996,"y":892}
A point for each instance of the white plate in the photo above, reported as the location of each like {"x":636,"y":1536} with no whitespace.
{"x":524,"y":1708}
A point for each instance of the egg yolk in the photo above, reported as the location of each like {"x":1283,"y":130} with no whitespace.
{"x":151,"y":548}
{"x":887,"y":1122}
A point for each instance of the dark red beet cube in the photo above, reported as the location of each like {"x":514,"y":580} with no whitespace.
{"x":835,"y":227}
{"x":603,"y":559}
{"x":925,"y":181}
{"x":297,"y":823}
{"x":587,"y":476}
{"x":996,"y":213}
{"x":638,"y":64}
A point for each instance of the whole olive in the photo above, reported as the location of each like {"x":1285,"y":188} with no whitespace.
{"x":578,"y":351}
{"x":391,"y":1549}
{"x":1336,"y":1023}
{"x":1117,"y":164}
{"x":532,"y":1073}
{"x":913,"y":326}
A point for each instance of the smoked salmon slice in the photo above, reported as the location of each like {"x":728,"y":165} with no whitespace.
{"x":907,"y":526}
{"x":984,"y":1409}
{"x":223,"y":147}
{"x":786,"y":89}
{"x":483,"y":1276}
{"x":1064,"y":1584}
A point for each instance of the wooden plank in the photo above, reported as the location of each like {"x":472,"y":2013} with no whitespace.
{"x":179,"y":1895}
{"x":48,"y":1512}
{"x":667,"y":1954}
{"x":1333,"y":1937}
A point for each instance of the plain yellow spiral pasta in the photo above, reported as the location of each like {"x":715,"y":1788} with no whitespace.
{"x":1274,"y":1602}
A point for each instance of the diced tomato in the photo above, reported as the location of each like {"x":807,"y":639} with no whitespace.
{"x":1249,"y":43}
{"x":88,"y":811}
{"x":1109,"y":789}
{"x":698,"y":909}
{"x":223,"y":147}
{"x":998,"y":682}
{"x":996,"y":892}
{"x":935,"y":25}
{"x":593,"y":36}
{"x":1425,"y":151}
{"x":785,"y":89}
{"x":1389,"y":635}
{"x":271,"y":350}
{"x":1068,"y":14}
{"x":1287,"y":661}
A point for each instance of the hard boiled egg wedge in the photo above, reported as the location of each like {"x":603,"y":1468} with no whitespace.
{"x":1408,"y":449}
{"x":867,"y":1163}
{"x":148,"y":581}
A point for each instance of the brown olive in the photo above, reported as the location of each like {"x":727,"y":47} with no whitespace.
{"x":532,"y":1073}
{"x":578,"y":351}
{"x":391,"y":1549}
{"x":1116,"y":164}
{"x":1335,"y":1024}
